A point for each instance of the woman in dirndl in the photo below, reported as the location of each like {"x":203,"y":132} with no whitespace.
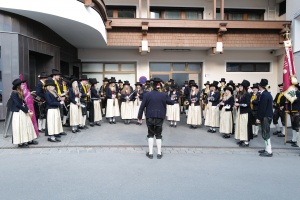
{"x":54,"y":125}
{"x":226,"y":105}
{"x":22,"y":126}
{"x":95,"y":115}
{"x":213,"y":112}
{"x":173,"y":111}
{"x":138,"y":98}
{"x":75,"y":108}
{"x":127,"y":103}
{"x":194,"y":113}
{"x":112,"y":105}
{"x":243,"y":127}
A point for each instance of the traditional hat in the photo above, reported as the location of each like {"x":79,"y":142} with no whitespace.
{"x":43,"y":75}
{"x":120,"y":81}
{"x":215,"y":84}
{"x":156,"y":79}
{"x":263,"y":83}
{"x":229,"y":89}
{"x":55,"y":72}
{"x":93,"y":81}
{"x":207,"y":83}
{"x":105,"y":79}
{"x":186,"y":82}
{"x":171,"y":80}
{"x":147,"y":82}
{"x":83,"y":77}
{"x":222,"y":80}
{"x":174,"y":85}
{"x":71,"y":81}
{"x":66,"y":78}
{"x":231,"y":84}
{"x":191,"y":82}
{"x":126,"y":83}
{"x":245,"y":83}
{"x":194,"y":85}
{"x":112,"y":80}
{"x":280,"y":85}
{"x":49,"y":82}
{"x":16,"y":83}
{"x":138,"y":83}
{"x":255,"y":85}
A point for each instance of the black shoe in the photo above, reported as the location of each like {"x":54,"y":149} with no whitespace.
{"x":62,"y":133}
{"x":73,"y":131}
{"x":171,"y":125}
{"x":209,"y":130}
{"x":98,"y":124}
{"x":110,"y":122}
{"x":291,"y":142}
{"x":81,"y":127}
{"x":276,"y":132}
{"x":114,"y":122}
{"x":159,"y":156}
{"x":226,"y":136}
{"x":240,"y":142}
{"x":213,"y":131}
{"x":175,"y":126}
{"x":23,"y":145}
{"x":55,"y":140}
{"x":244,"y":145}
{"x":150,"y":156}
{"x":66,"y":125}
{"x":262,"y":151}
{"x":254,"y":135}
{"x":294,"y":145}
{"x":92,"y":124}
{"x":33,"y":142}
{"x":103,"y":115}
{"x":41,"y":131}
{"x":266,"y":154}
{"x":77,"y":130}
{"x":280,"y":135}
{"x":57,"y":136}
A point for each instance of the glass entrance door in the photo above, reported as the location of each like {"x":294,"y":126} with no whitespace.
{"x":163,"y":77}
{"x":180,"y":78}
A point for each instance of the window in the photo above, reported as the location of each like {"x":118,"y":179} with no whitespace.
{"x":176,"y":13}
{"x":242,"y":14}
{"x":282,"y":8}
{"x":1,"y":89}
{"x":121,"y":11}
{"x":247,"y":67}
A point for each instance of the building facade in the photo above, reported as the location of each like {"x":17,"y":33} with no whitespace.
{"x":204,"y":40}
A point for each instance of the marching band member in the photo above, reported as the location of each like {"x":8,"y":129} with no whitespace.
{"x":204,"y":94}
{"x":22,"y":126}
{"x":138,"y":98}
{"x":127,"y":102}
{"x":103,"y":95}
{"x":112,"y":107}
{"x":173,"y":111}
{"x":85,"y":94}
{"x":254,"y":106}
{"x":222,"y":87}
{"x":186,"y":93}
{"x":212,"y":118}
{"x":54,"y":125}
{"x":183,"y":98}
{"x":41,"y":106}
{"x":279,"y":112}
{"x":243,"y":129}
{"x":226,"y":105}
{"x":59,"y":91}
{"x":264,"y":117}
{"x":95,"y":109}
{"x":75,"y":108}
{"x":194,"y":112}
{"x":65,"y":81}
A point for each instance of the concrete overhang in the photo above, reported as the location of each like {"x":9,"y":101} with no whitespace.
{"x":81,"y":26}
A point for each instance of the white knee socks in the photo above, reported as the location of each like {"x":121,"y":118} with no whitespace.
{"x":64,"y":119}
{"x":268,"y":146}
{"x":158,"y":144}
{"x":150,"y":143}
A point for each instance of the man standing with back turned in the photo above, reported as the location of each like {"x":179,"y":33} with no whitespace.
{"x":155,"y":103}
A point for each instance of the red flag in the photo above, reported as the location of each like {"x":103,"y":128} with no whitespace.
{"x":289,"y":74}
{"x":29,"y":101}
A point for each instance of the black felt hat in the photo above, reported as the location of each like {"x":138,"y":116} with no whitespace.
{"x":93,"y":81}
{"x":255,"y":85}
{"x":194,"y":85}
{"x":16,"y":83}
{"x":263,"y":83}
{"x":245,"y":83}
{"x":49,"y":82}
{"x":229,"y":89}
{"x":126,"y":83}
{"x":83,"y":77}
{"x":222,"y":80}
{"x":138,"y":83}
{"x":214,"y":84}
{"x":43,"y":75}
{"x":191,"y":82}
{"x":120,"y":81}
{"x":55,"y":72}
{"x":207,"y":83}
{"x":105,"y":79}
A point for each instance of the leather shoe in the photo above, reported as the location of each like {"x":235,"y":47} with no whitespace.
{"x":159,"y":156}
{"x":294,"y":145}
{"x":62,"y":133}
{"x":226,"y":136}
{"x":98,"y":124}
{"x":41,"y":131}
{"x":33,"y":142}
{"x":81,"y":127}
{"x":150,"y":156}
{"x":171,"y":125}
{"x":213,"y":131}
{"x":175,"y":126}
{"x":276,"y":132}
{"x":254,"y":135}
{"x":240,"y":142}
{"x":266,"y":154}
{"x":262,"y":151}
{"x":55,"y":140}
{"x":244,"y":145}
{"x":77,"y":130}
{"x":73,"y":131}
{"x":280,"y":135}
{"x":291,"y":142}
{"x":91,"y":124}
{"x":209,"y":130}
{"x":57,"y":136}
{"x":23,"y":145}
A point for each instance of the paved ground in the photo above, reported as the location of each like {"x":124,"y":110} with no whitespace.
{"x":109,"y":162}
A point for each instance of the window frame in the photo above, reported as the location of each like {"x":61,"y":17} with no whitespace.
{"x":245,"y":12}
{"x":255,"y":63}
{"x":162,"y":11}
{"x":116,"y":10}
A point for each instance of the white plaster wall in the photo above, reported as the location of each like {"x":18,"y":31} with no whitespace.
{"x":213,"y":66}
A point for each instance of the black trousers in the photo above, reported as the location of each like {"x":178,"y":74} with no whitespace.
{"x":295,"y":119}
{"x":154,"y":127}
{"x":265,"y":127}
{"x":279,"y":113}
